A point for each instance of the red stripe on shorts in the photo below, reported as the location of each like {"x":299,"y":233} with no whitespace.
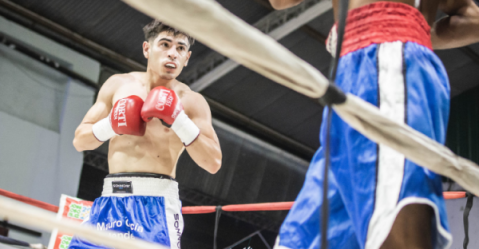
{"x":385,"y":22}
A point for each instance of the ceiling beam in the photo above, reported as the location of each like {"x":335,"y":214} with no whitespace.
{"x":313,"y":33}
{"x":267,"y":133}
{"x":35,"y":22}
{"x":277,"y":24}
{"x":305,"y":28}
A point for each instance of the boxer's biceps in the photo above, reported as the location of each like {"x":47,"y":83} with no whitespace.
{"x":200,"y":114}
{"x":97,"y":112}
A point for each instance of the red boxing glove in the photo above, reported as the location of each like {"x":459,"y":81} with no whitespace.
{"x":164,"y":104}
{"x":124,"y":118}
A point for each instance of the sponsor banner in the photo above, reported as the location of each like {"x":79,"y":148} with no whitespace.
{"x":71,"y":208}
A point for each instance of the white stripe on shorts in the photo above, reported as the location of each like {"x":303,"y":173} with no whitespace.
{"x":390,"y":164}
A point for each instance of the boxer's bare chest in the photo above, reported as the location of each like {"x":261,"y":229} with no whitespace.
{"x":157,"y":151}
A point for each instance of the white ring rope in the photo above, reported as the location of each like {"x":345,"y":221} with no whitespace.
{"x":214,"y":26}
{"x":217,"y":28}
{"x":211,"y":24}
{"x":23,"y":213}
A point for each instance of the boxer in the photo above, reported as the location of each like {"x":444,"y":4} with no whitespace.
{"x":377,"y":198}
{"x":149,"y":119}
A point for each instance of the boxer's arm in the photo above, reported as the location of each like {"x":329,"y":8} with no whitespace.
{"x":461,"y":26}
{"x":284,"y":4}
{"x":84,"y":138}
{"x":205,"y":150}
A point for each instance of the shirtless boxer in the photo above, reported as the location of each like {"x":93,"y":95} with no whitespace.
{"x":377,"y":198}
{"x":149,"y":118}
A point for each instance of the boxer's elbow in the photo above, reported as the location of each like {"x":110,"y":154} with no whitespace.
{"x":78,"y":145}
{"x":214,"y":166}
{"x":82,"y":141}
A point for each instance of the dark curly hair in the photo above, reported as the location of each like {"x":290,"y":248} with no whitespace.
{"x":152,"y":29}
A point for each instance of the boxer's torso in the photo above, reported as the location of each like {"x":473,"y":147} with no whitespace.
{"x":155,"y":152}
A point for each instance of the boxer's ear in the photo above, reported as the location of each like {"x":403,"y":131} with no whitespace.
{"x":146,"y":49}
{"x":188,"y":58}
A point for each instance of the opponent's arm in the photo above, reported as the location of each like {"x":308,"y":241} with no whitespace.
{"x":205,"y":150}
{"x":284,"y":4}
{"x":84,"y":138}
{"x":461,"y":26}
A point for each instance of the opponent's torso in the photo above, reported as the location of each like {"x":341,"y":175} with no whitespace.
{"x":155,"y":152}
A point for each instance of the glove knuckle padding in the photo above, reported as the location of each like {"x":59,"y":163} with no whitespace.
{"x":161,"y":103}
{"x":125,"y":116}
{"x":164,"y":104}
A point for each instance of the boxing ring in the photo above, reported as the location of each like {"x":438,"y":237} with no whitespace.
{"x":215,"y":27}
{"x":24,"y":209}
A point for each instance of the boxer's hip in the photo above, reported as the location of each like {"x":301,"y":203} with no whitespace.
{"x":383,"y":22}
{"x":140,"y":184}
{"x":138,"y":205}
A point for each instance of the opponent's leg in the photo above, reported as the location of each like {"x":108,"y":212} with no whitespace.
{"x":411,"y":229}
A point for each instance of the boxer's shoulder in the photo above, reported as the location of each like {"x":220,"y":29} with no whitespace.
{"x":118,"y":80}
{"x":123,"y":85}
{"x":192,"y":101}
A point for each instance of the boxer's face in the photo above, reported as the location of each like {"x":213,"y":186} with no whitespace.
{"x":167,"y":54}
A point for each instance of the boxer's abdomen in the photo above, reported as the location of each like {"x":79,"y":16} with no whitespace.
{"x":156,"y":152}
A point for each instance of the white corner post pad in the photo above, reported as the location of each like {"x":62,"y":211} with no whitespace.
{"x":102,"y":130}
{"x":332,"y":40}
{"x":185,"y":128}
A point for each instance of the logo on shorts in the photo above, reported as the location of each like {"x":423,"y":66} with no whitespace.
{"x":178,"y":229}
{"x":164,"y":98}
{"x":122,"y":187}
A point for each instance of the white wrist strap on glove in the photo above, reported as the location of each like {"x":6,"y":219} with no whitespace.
{"x":102,"y":130}
{"x":185,"y":128}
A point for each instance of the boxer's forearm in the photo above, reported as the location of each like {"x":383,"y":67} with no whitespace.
{"x":449,"y":33}
{"x":206,"y":152}
{"x":84,"y":138}
{"x":460,"y":28}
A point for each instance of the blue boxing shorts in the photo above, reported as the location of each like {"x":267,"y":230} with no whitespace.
{"x":139,"y":206}
{"x":387,"y":60}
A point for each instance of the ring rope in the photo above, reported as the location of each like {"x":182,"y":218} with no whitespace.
{"x":46,"y":220}
{"x":219,"y":29}
{"x":266,"y":206}
{"x":16,"y":207}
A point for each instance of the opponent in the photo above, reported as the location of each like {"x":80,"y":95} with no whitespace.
{"x":377,"y":198}
{"x":149,"y":118}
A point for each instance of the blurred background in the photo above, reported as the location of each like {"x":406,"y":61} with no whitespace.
{"x":56,"y":54}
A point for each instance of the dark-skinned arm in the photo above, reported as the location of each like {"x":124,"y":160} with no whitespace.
{"x":461,"y":26}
